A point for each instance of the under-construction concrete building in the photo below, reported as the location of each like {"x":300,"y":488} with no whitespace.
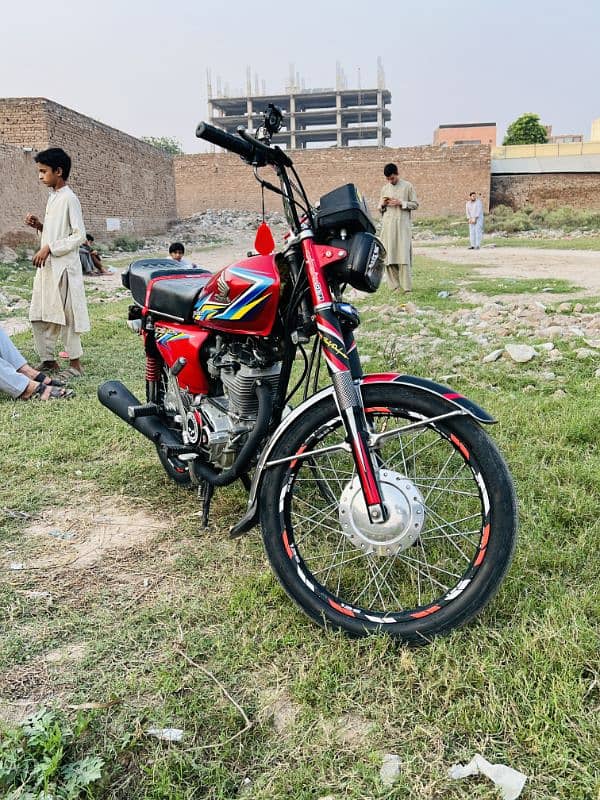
{"x":338,"y":117}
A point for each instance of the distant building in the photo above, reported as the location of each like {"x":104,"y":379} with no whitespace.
{"x":595,"y":133}
{"x":565,"y":138}
{"x":326,"y":117}
{"x":466,"y":133}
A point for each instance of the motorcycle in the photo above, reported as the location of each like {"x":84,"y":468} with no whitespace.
{"x":384,"y":505}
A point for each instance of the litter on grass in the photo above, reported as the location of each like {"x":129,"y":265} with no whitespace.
{"x":510,"y":781}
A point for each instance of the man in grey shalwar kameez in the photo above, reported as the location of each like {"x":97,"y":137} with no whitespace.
{"x":398,"y":198}
{"x":58,"y":304}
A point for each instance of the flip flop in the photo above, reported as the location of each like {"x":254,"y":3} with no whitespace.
{"x":41,"y":378}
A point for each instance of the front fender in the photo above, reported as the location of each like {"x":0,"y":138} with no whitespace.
{"x":431,"y":387}
{"x":449,"y":396}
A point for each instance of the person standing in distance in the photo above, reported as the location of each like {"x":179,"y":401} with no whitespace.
{"x":398,"y":199}
{"x":474,"y":212}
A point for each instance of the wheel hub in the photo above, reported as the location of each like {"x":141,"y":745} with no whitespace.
{"x":406,"y":515}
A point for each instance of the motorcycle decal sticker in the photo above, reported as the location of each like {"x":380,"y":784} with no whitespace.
{"x":218,"y":306}
{"x":164,"y":336}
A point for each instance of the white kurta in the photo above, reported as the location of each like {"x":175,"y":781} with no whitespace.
{"x":63,"y":232}
{"x":396,"y":226}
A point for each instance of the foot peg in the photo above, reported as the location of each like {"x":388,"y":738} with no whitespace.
{"x":147,"y":410}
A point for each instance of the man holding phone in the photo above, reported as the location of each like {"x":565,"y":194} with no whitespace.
{"x":398,"y":199}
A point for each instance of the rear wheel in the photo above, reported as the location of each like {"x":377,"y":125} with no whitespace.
{"x":437,"y":560}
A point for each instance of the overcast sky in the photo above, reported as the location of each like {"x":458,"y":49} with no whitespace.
{"x":141,"y":66}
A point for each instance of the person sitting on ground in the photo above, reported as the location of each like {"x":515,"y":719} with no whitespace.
{"x":90,"y":259}
{"x":176,"y":252}
{"x":21,"y":381}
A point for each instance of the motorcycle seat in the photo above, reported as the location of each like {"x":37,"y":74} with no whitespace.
{"x":173,"y":289}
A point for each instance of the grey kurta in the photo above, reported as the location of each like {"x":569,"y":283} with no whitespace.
{"x":396,"y":226}
{"x":63,"y":232}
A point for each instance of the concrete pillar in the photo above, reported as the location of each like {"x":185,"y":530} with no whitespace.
{"x":338,"y":118}
{"x":249,"y":123}
{"x":292,"y":122}
{"x":380,"y":139}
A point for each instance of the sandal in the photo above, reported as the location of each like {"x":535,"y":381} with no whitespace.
{"x":55,"y":393}
{"x":67,"y":374}
{"x":41,"y":377}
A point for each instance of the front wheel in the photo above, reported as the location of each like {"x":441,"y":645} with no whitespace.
{"x":448,"y":540}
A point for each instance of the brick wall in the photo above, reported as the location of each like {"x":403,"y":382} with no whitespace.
{"x":116,"y":176}
{"x":442,"y":177}
{"x":547,"y":190}
{"x":21,"y":193}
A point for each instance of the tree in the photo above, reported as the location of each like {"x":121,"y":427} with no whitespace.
{"x":527,"y":129}
{"x":166,"y":144}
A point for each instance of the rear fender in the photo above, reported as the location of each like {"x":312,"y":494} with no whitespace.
{"x":449,"y":396}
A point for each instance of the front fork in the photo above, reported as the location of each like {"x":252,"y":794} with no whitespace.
{"x":334,"y":328}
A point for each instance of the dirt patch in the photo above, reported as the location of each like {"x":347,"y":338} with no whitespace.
{"x":579,"y":267}
{"x":349,"y":730}
{"x":80,"y":536}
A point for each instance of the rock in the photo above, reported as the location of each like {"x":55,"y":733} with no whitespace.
{"x":410,"y":308}
{"x":597,"y":373}
{"x":564,"y":307}
{"x":583,"y":352}
{"x":493,"y":356}
{"x":578,"y":308}
{"x":595,"y":343}
{"x":559,"y":393}
{"x":7,"y":254}
{"x":443,"y":294}
{"x":521,"y":353}
{"x":555,"y":355}
{"x":546,"y":346}
{"x":548,"y":376}
{"x":390,"y":770}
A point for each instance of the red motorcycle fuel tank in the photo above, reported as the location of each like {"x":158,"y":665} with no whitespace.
{"x":174,"y":341}
{"x":242,"y":298}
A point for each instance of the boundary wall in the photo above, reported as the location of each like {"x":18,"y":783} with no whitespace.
{"x":442,"y":177}
{"x":126,"y":186}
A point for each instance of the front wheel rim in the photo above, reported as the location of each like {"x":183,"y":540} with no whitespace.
{"x":420,"y":576}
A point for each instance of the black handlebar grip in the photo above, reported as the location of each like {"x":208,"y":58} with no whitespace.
{"x":225,"y":140}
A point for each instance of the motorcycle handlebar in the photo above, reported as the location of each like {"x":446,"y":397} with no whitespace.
{"x":248,"y":148}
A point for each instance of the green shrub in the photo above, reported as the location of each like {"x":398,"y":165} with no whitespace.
{"x":128,"y":243}
{"x":38,"y":761}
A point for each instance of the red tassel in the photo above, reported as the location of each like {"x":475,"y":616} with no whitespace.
{"x":264,"y":242}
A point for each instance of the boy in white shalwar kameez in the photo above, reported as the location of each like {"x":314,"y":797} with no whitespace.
{"x":58,"y":304}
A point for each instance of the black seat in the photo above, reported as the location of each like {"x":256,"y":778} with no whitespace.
{"x":174,"y":295}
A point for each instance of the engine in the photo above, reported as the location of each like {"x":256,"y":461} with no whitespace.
{"x":220,"y":424}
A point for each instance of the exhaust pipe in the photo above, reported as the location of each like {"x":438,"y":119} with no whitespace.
{"x":118,"y":399}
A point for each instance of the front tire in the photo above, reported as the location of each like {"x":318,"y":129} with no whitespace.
{"x":447,"y":545}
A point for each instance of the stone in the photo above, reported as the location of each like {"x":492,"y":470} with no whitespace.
{"x":521,"y":353}
{"x":578,"y":308}
{"x":546,"y":346}
{"x":564,"y":307}
{"x":583,"y":352}
{"x":493,"y":356}
{"x":390,"y":769}
{"x":559,"y":393}
{"x":7,"y":254}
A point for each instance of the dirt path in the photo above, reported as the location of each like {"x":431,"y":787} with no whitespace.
{"x":579,"y":267}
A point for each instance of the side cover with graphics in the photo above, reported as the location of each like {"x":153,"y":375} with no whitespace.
{"x":242,"y":298}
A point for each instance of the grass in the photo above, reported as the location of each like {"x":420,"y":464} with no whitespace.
{"x":157,"y":623}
